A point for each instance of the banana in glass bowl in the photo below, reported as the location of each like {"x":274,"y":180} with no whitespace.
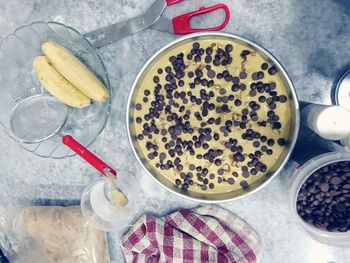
{"x":54,"y":60}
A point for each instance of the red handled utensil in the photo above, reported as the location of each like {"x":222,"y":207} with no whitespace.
{"x":173,"y":2}
{"x":153,"y":19}
{"x":180,"y":25}
{"x":88,"y":156}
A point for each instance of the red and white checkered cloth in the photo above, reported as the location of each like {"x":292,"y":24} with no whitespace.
{"x":204,"y":234}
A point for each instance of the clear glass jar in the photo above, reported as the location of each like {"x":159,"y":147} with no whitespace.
{"x":99,"y":209}
{"x":295,"y":182}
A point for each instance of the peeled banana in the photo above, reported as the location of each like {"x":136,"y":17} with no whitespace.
{"x":75,"y":71}
{"x":57,"y":85}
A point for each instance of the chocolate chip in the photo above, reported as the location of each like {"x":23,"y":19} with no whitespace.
{"x":211,"y":106}
{"x":228,"y":78}
{"x":228,"y":123}
{"x":231,"y":181}
{"x":162,"y":156}
{"x":324,"y":187}
{"x":245,"y":52}
{"x":273,"y":85}
{"x":237,"y":102}
{"x":272,"y":70}
{"x":138,"y":120}
{"x":228,"y":48}
{"x":256,"y":144}
{"x":244,"y":185}
{"x":177,"y":181}
{"x":217,"y":162}
{"x":270,"y":142}
{"x":272,"y":106}
{"x":262,"y":99}
{"x":197,"y":58}
{"x":277,"y":125}
{"x":245,"y":111}
{"x":196,"y":45}
{"x":138,"y":106}
{"x":245,"y":174}
{"x":151,"y":156}
{"x":204,"y":82}
{"x":216,"y":62}
{"x":211,"y":176}
{"x":167,"y":69}
{"x":340,"y":208}
{"x":242,"y":125}
{"x":185,"y":186}
{"x":335,"y":180}
{"x":235,"y":87}
{"x":264,"y":148}
{"x":198,"y":101}
{"x":254,"y":117}
{"x":283,"y":98}
{"x":252,"y":93}
{"x":235,"y":80}
{"x":208,"y":59}
{"x":224,"y":108}
{"x":222,"y":91}
{"x":255,"y":76}
{"x":216,"y":136}
{"x":211,"y":74}
{"x":238,"y":157}
{"x":282,"y":141}
{"x":209,"y":51}
{"x":264,"y":66}
{"x":260,"y":75}
{"x":190,"y":74}
{"x":156,"y":79}
{"x":243,"y":75}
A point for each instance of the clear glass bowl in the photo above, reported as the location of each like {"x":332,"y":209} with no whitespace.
{"x":18,"y":82}
{"x":98,"y":208}
{"x":293,"y":185}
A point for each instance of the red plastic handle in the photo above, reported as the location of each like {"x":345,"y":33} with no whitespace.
{"x":181,"y":24}
{"x":87,"y":155}
{"x":173,"y":2}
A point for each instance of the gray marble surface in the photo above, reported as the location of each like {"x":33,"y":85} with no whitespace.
{"x":310,"y":38}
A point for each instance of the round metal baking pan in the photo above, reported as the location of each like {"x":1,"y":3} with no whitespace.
{"x":219,"y":197}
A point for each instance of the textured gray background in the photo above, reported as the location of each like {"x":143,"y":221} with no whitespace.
{"x":310,"y":38}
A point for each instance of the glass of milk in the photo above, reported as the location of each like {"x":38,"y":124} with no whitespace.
{"x":106,"y":207}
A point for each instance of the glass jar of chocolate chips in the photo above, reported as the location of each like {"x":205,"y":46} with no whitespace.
{"x":319,"y":198}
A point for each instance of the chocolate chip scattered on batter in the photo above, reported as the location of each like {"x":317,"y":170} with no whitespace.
{"x":206,"y":117}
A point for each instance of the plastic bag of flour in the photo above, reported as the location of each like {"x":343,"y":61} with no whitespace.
{"x":50,"y":235}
